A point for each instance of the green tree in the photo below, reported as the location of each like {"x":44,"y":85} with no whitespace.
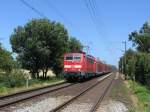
{"x":74,"y":45}
{"x":138,"y":62}
{"x":129,"y":69}
{"x":40,"y":44}
{"x":6,"y":60}
{"x":142,"y":73}
{"x":141,"y":39}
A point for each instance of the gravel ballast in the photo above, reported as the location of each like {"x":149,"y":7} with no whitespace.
{"x":112,"y":106}
{"x":43,"y":106}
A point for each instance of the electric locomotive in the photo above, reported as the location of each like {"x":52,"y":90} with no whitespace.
{"x":78,"y":66}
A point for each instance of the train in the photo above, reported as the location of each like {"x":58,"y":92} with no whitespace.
{"x":80,"y":66}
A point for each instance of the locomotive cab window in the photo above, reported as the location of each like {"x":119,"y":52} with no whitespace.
{"x":73,"y":58}
{"x":69,"y":58}
{"x":77,"y":58}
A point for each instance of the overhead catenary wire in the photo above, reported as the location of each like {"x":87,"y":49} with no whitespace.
{"x":89,"y":4}
{"x":94,"y":4}
{"x":27,"y":4}
{"x":33,"y":8}
{"x":89,"y":10}
{"x":58,"y":12}
{"x":92,"y":14}
{"x":92,"y":8}
{"x":37,"y":11}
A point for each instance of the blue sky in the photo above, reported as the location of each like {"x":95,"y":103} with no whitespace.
{"x":115,"y":19}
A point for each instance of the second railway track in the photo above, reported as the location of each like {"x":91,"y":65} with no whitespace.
{"x":24,"y":95}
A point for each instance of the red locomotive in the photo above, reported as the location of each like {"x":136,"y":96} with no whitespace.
{"x":81,"y":66}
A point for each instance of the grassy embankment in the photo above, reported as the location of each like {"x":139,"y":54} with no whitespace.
{"x":16,"y":82}
{"x":142,"y":94}
{"x":139,"y":94}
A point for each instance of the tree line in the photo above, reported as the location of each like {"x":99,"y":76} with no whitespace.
{"x":135,"y":63}
{"x":39,"y":45}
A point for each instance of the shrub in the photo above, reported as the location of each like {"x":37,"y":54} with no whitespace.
{"x":14,"y":79}
{"x":3,"y":88}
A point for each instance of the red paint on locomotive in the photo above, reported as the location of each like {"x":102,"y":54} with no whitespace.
{"x":82,"y":65}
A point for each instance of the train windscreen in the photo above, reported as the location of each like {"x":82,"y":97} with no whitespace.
{"x":69,"y":58}
{"x":77,"y":58}
{"x":73,"y":58}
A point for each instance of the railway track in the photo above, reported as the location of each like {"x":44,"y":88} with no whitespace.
{"x":9,"y":100}
{"x":24,"y":95}
{"x":100,"y":98}
{"x":65,"y":104}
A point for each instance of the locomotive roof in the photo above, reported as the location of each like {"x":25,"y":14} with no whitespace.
{"x":90,"y":56}
{"x":72,"y":53}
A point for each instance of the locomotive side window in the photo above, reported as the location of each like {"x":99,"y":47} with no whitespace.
{"x":90,"y":60}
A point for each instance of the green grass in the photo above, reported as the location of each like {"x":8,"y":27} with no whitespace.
{"x":132,"y":109}
{"x":52,"y":80}
{"x":3,"y":88}
{"x":16,"y":80}
{"x":143,"y":94}
{"x":33,"y":83}
{"x":119,"y":90}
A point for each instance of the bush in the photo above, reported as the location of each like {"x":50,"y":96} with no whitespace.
{"x":14,"y":79}
{"x":147,"y":77}
{"x":3,"y":88}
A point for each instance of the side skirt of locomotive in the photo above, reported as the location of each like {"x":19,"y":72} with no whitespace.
{"x":77,"y":76}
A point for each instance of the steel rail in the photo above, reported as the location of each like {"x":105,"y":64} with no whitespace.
{"x":37,"y":91}
{"x":58,"y":108}
{"x":29,"y":90}
{"x":100,"y":99}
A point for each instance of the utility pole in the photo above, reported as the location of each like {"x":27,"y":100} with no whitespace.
{"x":125,"y":49}
{"x":122,"y":67}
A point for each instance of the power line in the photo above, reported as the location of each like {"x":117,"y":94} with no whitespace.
{"x":42,"y":14}
{"x":94,"y":4}
{"x":92,"y":14}
{"x":92,"y":8}
{"x":58,"y":12}
{"x":33,"y":8}
{"x":89,"y":10}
